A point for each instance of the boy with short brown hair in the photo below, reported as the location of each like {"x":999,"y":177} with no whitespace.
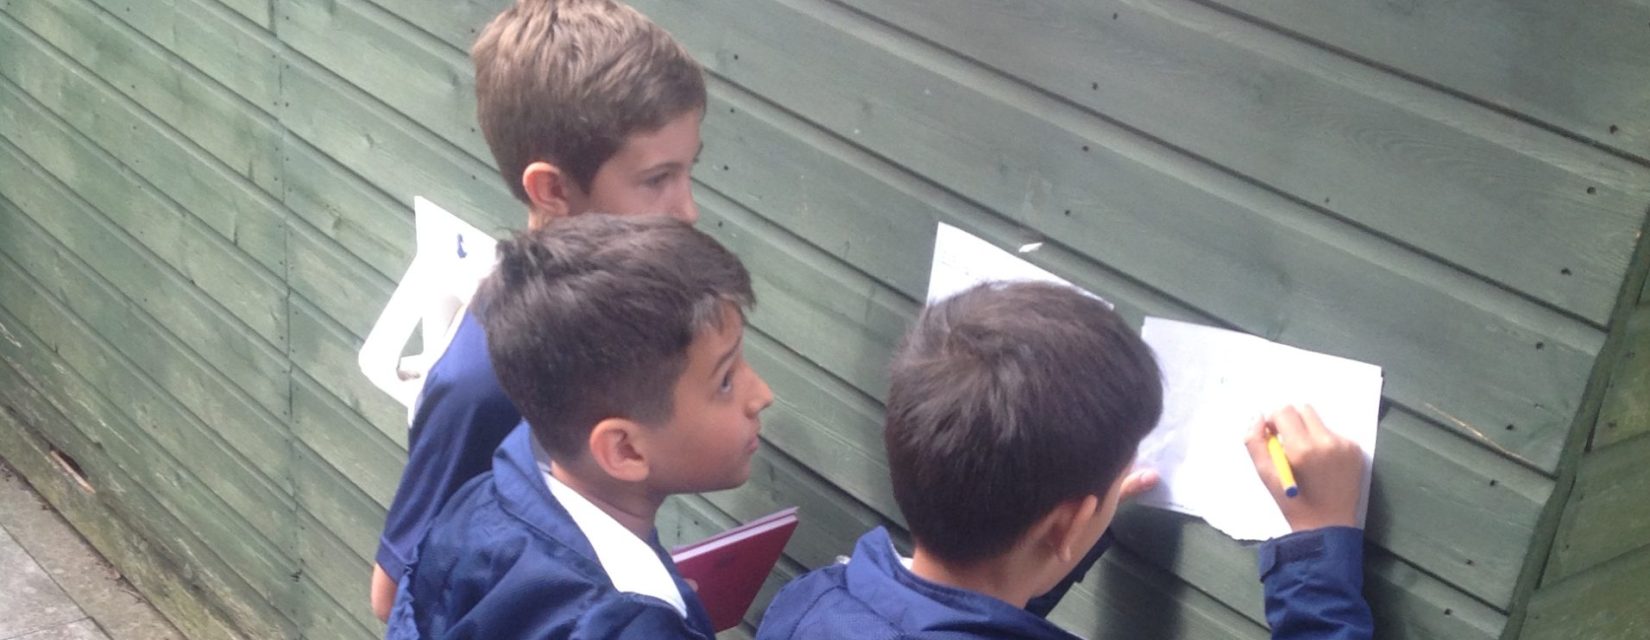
{"x":587,"y":106}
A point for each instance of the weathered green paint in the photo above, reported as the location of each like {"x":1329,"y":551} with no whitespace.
{"x":1626,"y":411}
{"x":1606,"y":603}
{"x":1608,"y":513}
{"x":184,"y":242}
{"x":1580,"y":68}
{"x":132,"y":505}
{"x":235,"y":209}
{"x":214,"y":117}
{"x":208,"y":201}
{"x":141,"y":562}
{"x":152,"y":351}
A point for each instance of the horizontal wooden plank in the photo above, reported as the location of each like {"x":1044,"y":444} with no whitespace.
{"x":1541,"y":213}
{"x":1579,"y":68}
{"x":337,"y":503}
{"x":323,"y":617}
{"x":228,"y":203}
{"x":455,"y":23}
{"x":422,"y":77}
{"x":819,"y":307}
{"x":325,"y":351}
{"x":1318,"y":283}
{"x":867,"y":212}
{"x":145,"y":564}
{"x":392,"y":153}
{"x":345,"y":441}
{"x":364,"y":221}
{"x":335,"y":281}
{"x":149,"y":434}
{"x":211,"y":38}
{"x":1606,"y":603}
{"x":1126,"y":597}
{"x":168,"y":504}
{"x":1409,"y":603}
{"x":257,"y":12}
{"x":209,"y":394}
{"x":1625,"y":414}
{"x":188,"y":313}
{"x":342,"y":576}
{"x":207,"y":260}
{"x":239,"y":133}
{"x":1608,"y":513}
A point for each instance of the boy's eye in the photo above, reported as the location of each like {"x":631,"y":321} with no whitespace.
{"x":727,"y":381}
{"x":658,"y":180}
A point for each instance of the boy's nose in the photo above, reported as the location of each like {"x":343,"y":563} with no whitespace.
{"x":686,"y":210}
{"x":764,"y":397}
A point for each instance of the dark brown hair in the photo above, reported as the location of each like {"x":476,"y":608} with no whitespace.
{"x":1006,"y":400}
{"x":566,"y":81}
{"x":591,"y":316}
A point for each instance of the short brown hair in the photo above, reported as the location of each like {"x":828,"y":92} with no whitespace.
{"x":566,"y":81}
{"x":1007,"y":400}
{"x":590,"y":318}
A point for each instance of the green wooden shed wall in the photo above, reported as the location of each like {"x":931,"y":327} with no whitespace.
{"x":204,"y":203}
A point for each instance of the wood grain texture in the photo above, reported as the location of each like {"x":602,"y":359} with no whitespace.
{"x":224,"y":46}
{"x":205,"y":258}
{"x":210,"y":397}
{"x":230,"y":205}
{"x":1606,"y":603}
{"x":142,"y":563}
{"x":160,"y":503}
{"x":390,"y":152}
{"x":320,"y":348}
{"x":1541,"y":213}
{"x":1626,"y":411}
{"x":1608,"y":513}
{"x":344,"y":440}
{"x":1316,"y":283}
{"x":236,"y":131}
{"x":1578,"y":68}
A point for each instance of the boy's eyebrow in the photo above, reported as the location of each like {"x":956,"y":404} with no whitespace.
{"x":727,"y":357}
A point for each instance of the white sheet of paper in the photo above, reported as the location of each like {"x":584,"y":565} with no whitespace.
{"x":1217,"y":383}
{"x":962,"y":260}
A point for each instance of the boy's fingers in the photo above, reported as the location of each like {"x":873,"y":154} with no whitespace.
{"x":1291,"y":428}
{"x":1138,"y":482}
{"x":1255,"y":442}
{"x":1314,"y":424}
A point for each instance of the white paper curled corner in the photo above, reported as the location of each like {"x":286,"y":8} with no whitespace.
{"x":452,"y":259}
{"x":962,"y":260}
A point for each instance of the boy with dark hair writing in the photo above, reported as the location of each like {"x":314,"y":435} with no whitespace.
{"x":1012,"y":421}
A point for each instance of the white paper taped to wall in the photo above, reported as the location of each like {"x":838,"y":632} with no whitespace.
{"x":962,"y":260}
{"x":1217,"y":383}
{"x":452,"y":259}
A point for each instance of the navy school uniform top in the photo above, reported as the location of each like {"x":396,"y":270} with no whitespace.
{"x":509,"y":559}
{"x":1313,"y":581}
{"x":461,"y":417}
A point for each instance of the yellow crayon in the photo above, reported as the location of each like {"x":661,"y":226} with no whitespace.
{"x":1286,"y":474}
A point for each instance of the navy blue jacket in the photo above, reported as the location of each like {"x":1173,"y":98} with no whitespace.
{"x":461,"y":418}
{"x":504,"y":560}
{"x":1313,"y":582}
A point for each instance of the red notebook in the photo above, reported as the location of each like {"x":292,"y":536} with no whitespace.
{"x":730,"y":567}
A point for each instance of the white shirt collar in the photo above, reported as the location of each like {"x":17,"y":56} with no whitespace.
{"x":630,"y":562}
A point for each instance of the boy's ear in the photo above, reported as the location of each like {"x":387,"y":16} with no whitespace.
{"x":550,"y":193}
{"x":1070,"y":527}
{"x":616,"y":446}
